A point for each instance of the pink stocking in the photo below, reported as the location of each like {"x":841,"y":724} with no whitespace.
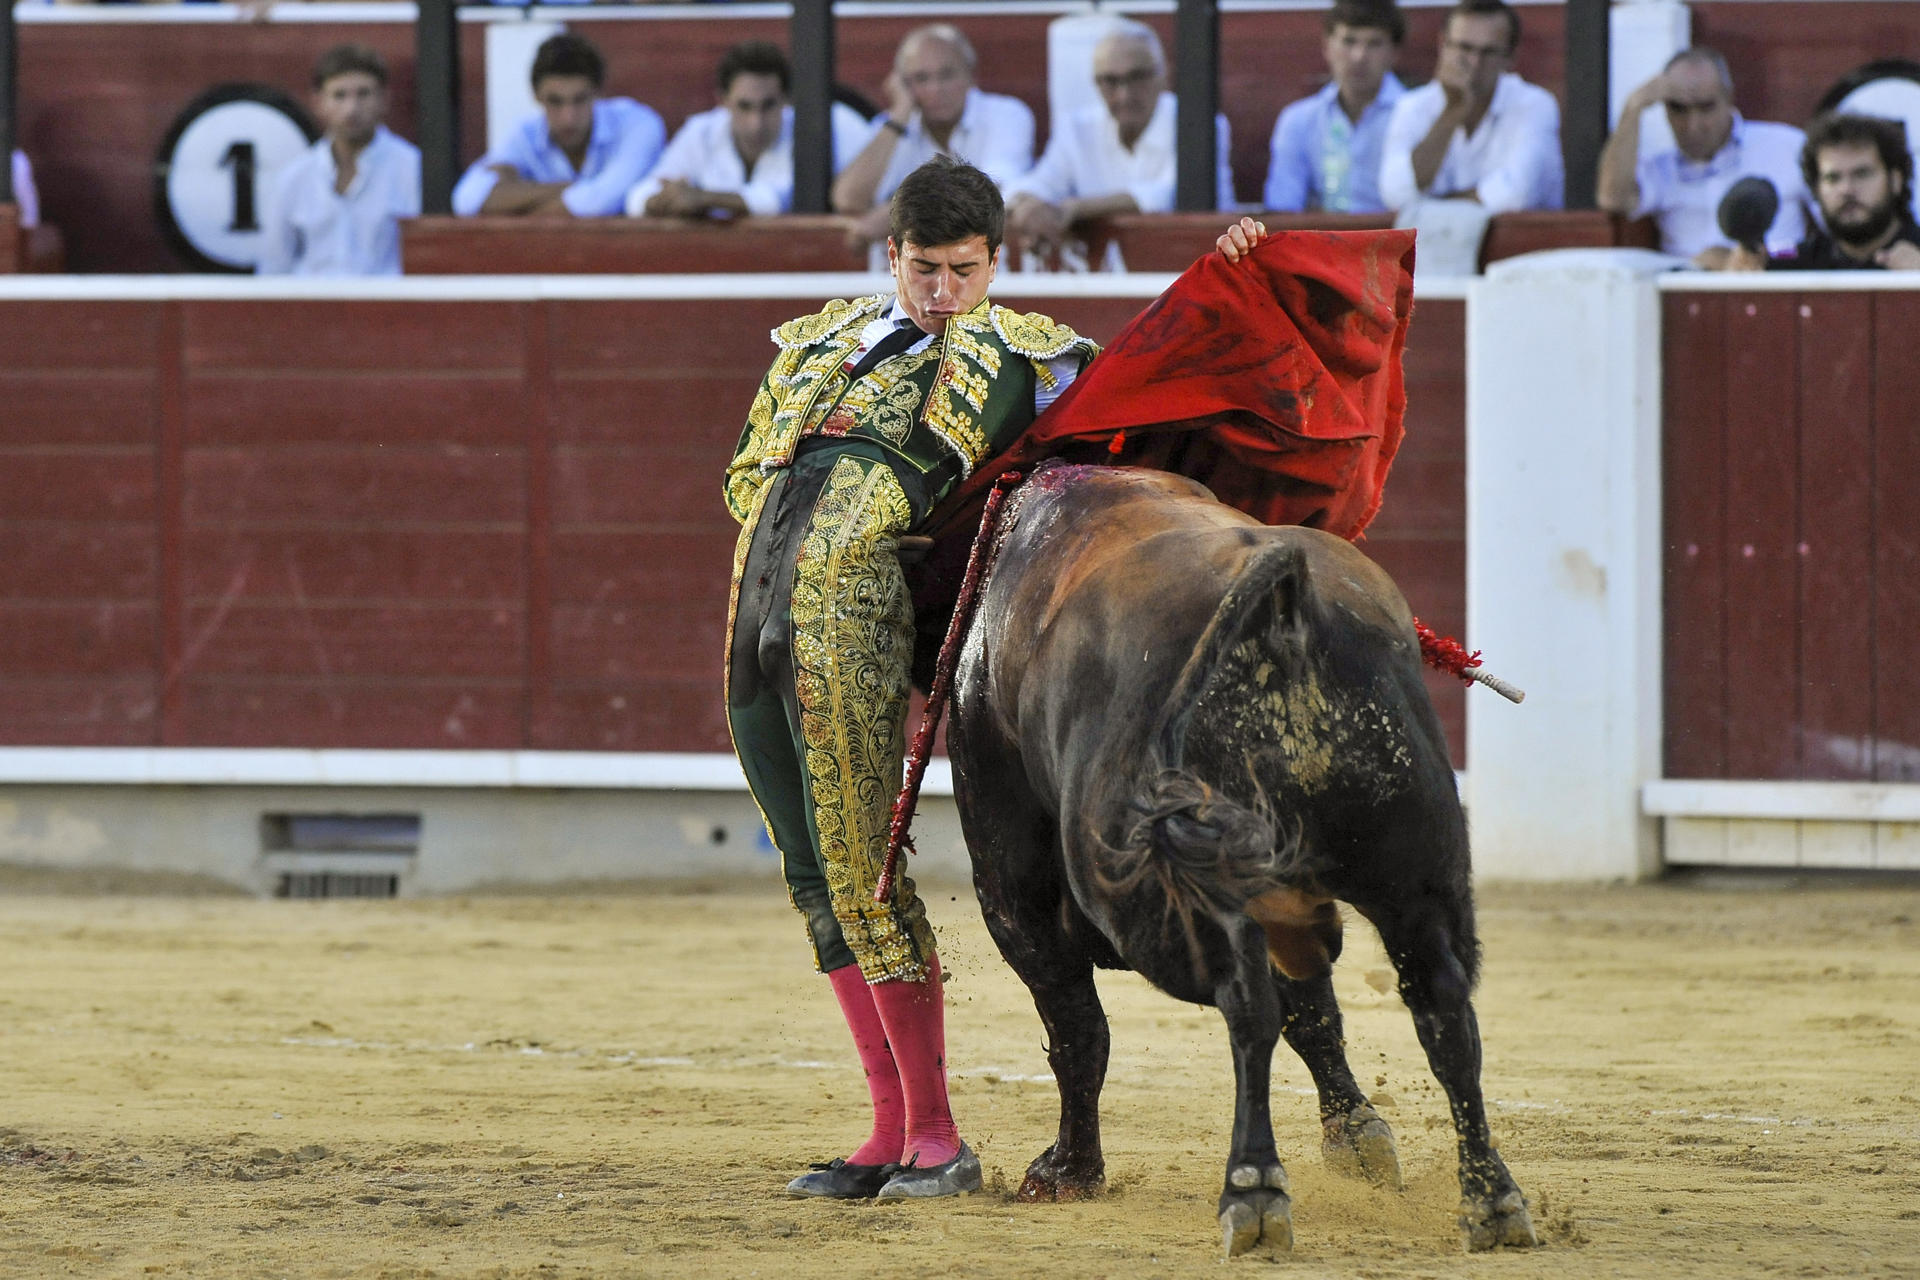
{"x":883,"y":1078}
{"x":916,"y":1028}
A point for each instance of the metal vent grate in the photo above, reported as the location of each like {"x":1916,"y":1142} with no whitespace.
{"x":336,"y":884}
{"x":338,"y":855}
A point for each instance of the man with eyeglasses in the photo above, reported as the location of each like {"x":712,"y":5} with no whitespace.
{"x":1116,"y":157}
{"x":1476,"y":131}
{"x":933,"y":108}
{"x":1681,"y":186}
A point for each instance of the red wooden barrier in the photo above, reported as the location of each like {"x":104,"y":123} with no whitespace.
{"x":437,"y":524}
{"x":1151,"y":242}
{"x":1792,"y":492}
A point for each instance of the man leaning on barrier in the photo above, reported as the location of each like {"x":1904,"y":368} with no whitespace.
{"x":1112,"y":158}
{"x":933,"y":108}
{"x":1681,"y":186}
{"x":1325,"y":150}
{"x":578,"y":156}
{"x":1476,"y":131}
{"x":737,"y":159}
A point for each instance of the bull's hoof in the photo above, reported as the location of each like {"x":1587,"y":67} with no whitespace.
{"x":1051,"y":1179}
{"x":1255,"y":1210}
{"x":1360,"y":1145}
{"x":1493,"y":1224}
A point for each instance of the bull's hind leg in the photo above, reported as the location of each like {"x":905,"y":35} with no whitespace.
{"x":1254,"y":1205}
{"x":1435,"y":986}
{"x":1354,"y":1139}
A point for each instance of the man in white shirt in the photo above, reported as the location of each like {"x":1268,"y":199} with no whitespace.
{"x":579,"y":156}
{"x":1325,"y":152}
{"x":737,"y":159}
{"x":933,"y":108}
{"x":1681,"y":186}
{"x":1118,"y":157}
{"x":1476,"y":131}
{"x":335,"y":209}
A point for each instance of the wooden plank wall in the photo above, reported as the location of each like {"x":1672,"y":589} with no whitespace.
{"x":439,"y":524}
{"x":1792,"y":490}
{"x":95,"y":99}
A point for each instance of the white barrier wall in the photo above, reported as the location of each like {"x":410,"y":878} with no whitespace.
{"x":1563,"y":563}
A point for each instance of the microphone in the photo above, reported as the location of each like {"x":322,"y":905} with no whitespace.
{"x":1746,"y":211}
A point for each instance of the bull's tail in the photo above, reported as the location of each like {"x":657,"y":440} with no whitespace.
{"x":1211,"y":854}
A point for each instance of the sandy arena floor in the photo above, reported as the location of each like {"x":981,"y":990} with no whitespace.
{"x":1698,"y":1081}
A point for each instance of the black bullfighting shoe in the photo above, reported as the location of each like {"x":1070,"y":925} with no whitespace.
{"x":956,"y":1177}
{"x":838,"y":1180}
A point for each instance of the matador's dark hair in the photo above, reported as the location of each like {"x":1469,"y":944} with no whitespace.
{"x":945,"y":201}
{"x":753,"y":58}
{"x":1889,"y":137}
{"x":568,"y":55}
{"x":345,"y":58}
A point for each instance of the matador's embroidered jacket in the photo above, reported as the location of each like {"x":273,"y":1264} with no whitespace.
{"x":966,"y":397}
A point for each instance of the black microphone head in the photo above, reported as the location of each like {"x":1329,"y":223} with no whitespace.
{"x":1747,"y":210}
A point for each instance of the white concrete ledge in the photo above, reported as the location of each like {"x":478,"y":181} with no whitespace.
{"x":1789,"y":281}
{"x":295,"y":767}
{"x":1791,"y":801}
{"x":389,"y":11}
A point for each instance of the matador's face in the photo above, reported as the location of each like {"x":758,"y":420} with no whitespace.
{"x":939,"y":282}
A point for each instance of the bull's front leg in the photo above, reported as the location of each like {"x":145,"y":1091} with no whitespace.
{"x":1254,"y":1205}
{"x":1434,"y":985}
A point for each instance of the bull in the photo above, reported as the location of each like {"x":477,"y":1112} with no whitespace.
{"x":1180,"y":738}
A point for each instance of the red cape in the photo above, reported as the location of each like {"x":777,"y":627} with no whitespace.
{"x":1274,"y":381}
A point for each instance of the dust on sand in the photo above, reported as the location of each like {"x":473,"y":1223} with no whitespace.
{"x":1687,"y":1080}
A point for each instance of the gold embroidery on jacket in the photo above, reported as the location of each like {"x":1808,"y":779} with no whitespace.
{"x":852,"y":647}
{"x":1036,"y":336}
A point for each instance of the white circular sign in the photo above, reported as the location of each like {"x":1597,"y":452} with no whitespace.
{"x":1893,"y":98}
{"x":222,"y":161}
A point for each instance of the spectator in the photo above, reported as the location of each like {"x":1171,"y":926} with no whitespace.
{"x":933,"y":108}
{"x":579,"y":156}
{"x":25,"y":198}
{"x":1117,"y":157}
{"x":1681,"y":186}
{"x":1477,"y":131}
{"x":737,"y":159}
{"x":335,"y":209}
{"x":1860,"y":170}
{"x":1326,"y":148}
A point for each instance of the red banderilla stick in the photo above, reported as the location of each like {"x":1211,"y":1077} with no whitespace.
{"x":922,"y":749}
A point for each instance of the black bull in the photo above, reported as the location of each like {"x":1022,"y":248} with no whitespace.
{"x":1179,"y":737}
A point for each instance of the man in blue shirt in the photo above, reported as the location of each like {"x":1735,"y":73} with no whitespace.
{"x":579,"y":156}
{"x":1326,"y":148}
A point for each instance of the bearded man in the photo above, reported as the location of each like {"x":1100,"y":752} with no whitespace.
{"x":871,"y":414}
{"x":1861,"y":172}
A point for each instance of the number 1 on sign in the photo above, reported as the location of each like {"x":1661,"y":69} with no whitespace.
{"x":239,"y":158}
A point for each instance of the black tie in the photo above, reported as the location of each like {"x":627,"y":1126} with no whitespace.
{"x":904,"y":335}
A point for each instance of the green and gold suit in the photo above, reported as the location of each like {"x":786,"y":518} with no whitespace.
{"x":829,"y":473}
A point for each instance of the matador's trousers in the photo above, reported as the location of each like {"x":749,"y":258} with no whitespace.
{"x":820,"y":642}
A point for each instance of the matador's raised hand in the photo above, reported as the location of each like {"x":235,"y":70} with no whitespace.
{"x":1240,"y":239}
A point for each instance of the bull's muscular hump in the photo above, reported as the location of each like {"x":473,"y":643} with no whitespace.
{"x":1179,"y":736}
